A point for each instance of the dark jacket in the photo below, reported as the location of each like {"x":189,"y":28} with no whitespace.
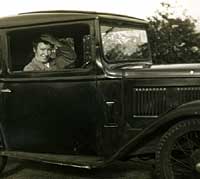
{"x":66,"y":56}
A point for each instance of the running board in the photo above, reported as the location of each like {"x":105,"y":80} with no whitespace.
{"x":78,"y":161}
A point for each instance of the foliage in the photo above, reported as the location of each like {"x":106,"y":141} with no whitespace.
{"x":173,"y":39}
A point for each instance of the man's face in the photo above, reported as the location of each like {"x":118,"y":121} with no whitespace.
{"x":42,"y":52}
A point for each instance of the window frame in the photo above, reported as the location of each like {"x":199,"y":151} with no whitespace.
{"x":3,"y":52}
{"x":127,"y":24}
{"x":90,"y":24}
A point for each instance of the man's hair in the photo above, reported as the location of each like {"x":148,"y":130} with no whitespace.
{"x":39,"y":40}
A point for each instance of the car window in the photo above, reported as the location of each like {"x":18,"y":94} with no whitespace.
{"x":72,"y":50}
{"x":124,"y":43}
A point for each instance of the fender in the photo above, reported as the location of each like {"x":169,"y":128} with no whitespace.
{"x":182,"y":112}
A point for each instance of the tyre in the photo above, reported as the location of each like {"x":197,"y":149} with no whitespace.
{"x":178,"y":153}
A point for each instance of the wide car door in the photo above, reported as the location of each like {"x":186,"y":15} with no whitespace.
{"x":51,"y":111}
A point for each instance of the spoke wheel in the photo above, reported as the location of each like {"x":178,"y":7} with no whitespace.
{"x":178,"y":154}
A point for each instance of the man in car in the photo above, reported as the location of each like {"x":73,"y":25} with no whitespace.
{"x":50,"y":54}
{"x":42,"y":60}
{"x":63,"y":52}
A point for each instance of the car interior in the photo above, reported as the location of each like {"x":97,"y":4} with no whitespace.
{"x":20,"y":43}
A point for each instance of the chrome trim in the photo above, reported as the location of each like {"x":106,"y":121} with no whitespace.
{"x":197,"y":167}
{"x":6,"y":91}
{"x":137,"y":116}
{"x":110,"y":102}
{"x":111,"y":125}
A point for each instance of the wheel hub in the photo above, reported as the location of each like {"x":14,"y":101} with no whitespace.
{"x":196,"y":159}
{"x":197,"y":167}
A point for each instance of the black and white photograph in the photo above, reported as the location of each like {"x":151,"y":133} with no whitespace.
{"x":100,"y":89}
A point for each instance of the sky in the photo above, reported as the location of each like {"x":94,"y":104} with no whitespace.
{"x":136,"y":8}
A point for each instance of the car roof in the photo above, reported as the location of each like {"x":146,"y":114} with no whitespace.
{"x":42,"y":17}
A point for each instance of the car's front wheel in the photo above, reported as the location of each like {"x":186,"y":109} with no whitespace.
{"x":178,"y":154}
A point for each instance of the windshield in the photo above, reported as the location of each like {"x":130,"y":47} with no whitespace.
{"x":124,"y":43}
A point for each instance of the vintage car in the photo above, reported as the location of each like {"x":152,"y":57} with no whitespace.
{"x":113,"y":104}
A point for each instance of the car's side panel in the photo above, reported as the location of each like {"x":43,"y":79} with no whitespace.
{"x":51,"y":115}
{"x":149,"y":98}
{"x":3,"y":143}
{"x":187,"y":111}
{"x":112,"y":131}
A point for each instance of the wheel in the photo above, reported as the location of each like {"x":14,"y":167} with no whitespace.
{"x":178,"y":153}
{"x":3,"y":161}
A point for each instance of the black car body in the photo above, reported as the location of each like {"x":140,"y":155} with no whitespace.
{"x":115,"y":104}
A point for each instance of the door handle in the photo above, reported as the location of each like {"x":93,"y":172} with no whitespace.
{"x":110,"y":109}
{"x":6,"y":90}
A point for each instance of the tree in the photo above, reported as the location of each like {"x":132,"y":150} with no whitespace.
{"x":173,"y":39}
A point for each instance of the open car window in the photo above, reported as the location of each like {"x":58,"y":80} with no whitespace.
{"x":76,"y":50}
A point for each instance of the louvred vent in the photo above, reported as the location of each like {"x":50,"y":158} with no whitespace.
{"x":155,"y":101}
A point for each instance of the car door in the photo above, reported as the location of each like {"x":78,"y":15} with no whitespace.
{"x":49,"y":114}
{"x":2,"y":89}
{"x":51,"y":111}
